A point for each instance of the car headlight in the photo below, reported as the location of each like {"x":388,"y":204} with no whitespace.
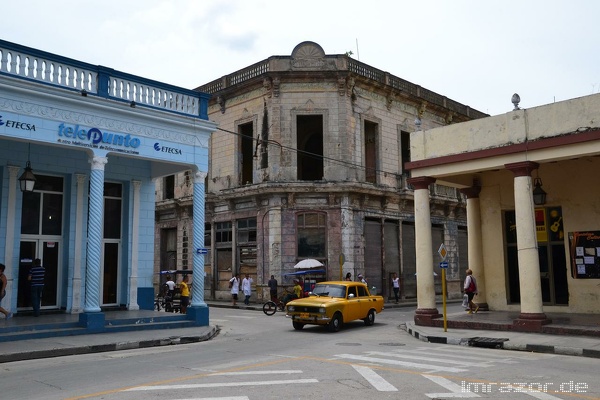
{"x":322,"y":310}
{"x":290,"y":308}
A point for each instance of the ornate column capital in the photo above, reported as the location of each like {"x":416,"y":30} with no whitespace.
{"x":98,"y":162}
{"x":13,"y":171}
{"x":200,"y":176}
{"x":80,"y":178}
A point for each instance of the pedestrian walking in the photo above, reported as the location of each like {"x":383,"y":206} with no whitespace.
{"x":247,"y":288}
{"x":234,"y":285}
{"x":470,"y":288}
{"x":3,"y":283}
{"x":396,"y":287}
{"x":361,"y":278}
{"x":349,"y":276}
{"x":36,"y":279}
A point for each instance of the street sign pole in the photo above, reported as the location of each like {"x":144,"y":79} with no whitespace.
{"x":444,"y":265}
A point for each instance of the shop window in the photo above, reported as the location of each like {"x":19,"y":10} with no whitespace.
{"x":42,"y":209}
{"x":311,"y":235}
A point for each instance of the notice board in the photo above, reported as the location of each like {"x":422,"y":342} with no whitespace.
{"x":585,"y":254}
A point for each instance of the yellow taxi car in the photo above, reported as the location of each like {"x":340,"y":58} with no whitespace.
{"x":334,"y":303}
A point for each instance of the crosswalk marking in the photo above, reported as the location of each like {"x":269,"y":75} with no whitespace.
{"x":374,"y":379}
{"x":434,"y":359}
{"x":221,"y":384}
{"x":460,"y":352}
{"x":429,"y":367}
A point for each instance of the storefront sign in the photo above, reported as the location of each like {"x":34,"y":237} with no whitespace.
{"x":16,"y":124}
{"x":94,"y":137}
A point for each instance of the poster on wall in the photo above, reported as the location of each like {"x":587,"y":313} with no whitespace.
{"x":585,"y":254}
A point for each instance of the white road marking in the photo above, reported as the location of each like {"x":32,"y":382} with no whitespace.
{"x":455,"y":391}
{"x":218,"y":398}
{"x":434,"y":359}
{"x":533,"y":393}
{"x":374,"y":379}
{"x":221,"y":384}
{"x":283,"y":371}
{"x":464,"y":355}
{"x":429,"y":367}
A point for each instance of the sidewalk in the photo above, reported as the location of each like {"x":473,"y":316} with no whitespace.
{"x":564,"y":343}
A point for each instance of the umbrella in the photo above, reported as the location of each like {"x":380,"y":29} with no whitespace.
{"x":308,"y":263}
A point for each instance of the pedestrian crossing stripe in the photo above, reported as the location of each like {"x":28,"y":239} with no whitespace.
{"x":221,"y":384}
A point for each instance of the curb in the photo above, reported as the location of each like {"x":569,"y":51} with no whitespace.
{"x":101,"y":348}
{"x":532,"y":348}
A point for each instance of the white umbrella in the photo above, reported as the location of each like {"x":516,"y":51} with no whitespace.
{"x":308,"y":263}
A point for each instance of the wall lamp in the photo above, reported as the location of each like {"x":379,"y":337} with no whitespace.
{"x":27,"y":180}
{"x":539,"y":195}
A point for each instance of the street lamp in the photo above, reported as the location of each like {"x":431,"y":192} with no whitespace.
{"x":27,"y":180}
{"x":539,"y":195}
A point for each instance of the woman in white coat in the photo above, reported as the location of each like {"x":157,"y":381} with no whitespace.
{"x":234,"y":285}
{"x":247,"y":288}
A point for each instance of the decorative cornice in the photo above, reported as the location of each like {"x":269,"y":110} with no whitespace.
{"x":522,"y":168}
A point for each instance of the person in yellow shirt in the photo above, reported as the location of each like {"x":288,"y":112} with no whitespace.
{"x":185,"y":294}
{"x":297,"y":289}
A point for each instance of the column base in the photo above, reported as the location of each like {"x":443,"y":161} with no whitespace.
{"x":425,"y":316}
{"x":93,"y":322}
{"x":530,"y":322}
{"x":198,"y":314}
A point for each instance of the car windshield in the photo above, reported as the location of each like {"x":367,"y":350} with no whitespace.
{"x":330,"y":290}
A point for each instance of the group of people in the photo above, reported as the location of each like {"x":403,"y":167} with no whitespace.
{"x":184,"y":288}
{"x":245,"y":285}
{"x":470,"y":288}
{"x":36,"y":278}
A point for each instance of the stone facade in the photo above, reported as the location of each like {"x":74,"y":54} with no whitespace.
{"x":308,"y":163}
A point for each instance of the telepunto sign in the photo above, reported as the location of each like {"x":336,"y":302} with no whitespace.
{"x":94,"y":137}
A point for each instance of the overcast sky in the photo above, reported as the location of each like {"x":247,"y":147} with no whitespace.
{"x":475,"y":52}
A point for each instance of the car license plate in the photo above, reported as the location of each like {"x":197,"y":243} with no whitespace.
{"x":304,"y":315}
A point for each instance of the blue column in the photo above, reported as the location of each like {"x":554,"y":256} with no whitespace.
{"x":94,"y":248}
{"x":199,"y":309}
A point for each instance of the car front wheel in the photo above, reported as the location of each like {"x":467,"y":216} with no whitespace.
{"x":336,"y":323}
{"x":297,"y":325}
{"x":370,"y":320}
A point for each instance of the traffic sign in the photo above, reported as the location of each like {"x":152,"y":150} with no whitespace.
{"x":444,"y":264}
{"x":202,"y":251}
{"x":442,"y":251}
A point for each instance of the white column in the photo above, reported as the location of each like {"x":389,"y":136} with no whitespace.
{"x":532,"y":311}
{"x":94,"y":248}
{"x":11,"y":268}
{"x":426,"y":307}
{"x":79,"y":244}
{"x":475,"y":244}
{"x":135,"y":234}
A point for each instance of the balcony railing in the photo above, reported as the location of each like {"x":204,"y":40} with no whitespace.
{"x":50,"y":69}
{"x":353,"y":66}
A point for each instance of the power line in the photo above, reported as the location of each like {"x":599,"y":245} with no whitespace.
{"x":308,"y":153}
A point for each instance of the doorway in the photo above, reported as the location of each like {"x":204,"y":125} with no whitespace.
{"x":48,"y":252}
{"x":551,"y":252}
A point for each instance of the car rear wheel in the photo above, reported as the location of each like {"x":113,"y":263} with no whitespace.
{"x":297,"y":325}
{"x":336,"y":323}
{"x":370,"y":320}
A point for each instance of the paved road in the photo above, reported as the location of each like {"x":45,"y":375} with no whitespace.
{"x":260,"y":357}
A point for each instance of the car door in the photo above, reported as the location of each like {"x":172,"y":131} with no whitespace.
{"x":364,"y":301}
{"x":353,"y":308}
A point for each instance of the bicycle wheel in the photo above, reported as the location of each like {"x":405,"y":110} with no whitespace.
{"x":269,"y":308}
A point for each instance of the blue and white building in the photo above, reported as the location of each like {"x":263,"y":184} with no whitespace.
{"x":95,"y":139}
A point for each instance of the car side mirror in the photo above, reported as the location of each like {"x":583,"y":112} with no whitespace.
{"x":351,"y":295}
